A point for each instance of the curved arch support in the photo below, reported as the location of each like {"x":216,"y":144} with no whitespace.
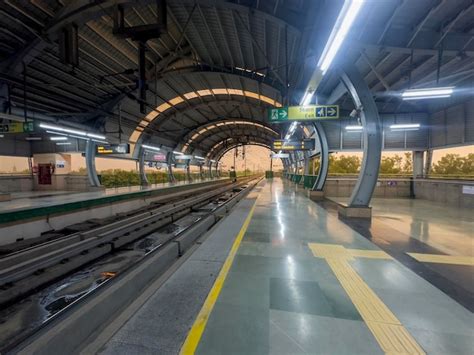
{"x":370,"y":119}
{"x":169,"y":163}
{"x":90,"y":164}
{"x":141,"y":167}
{"x":323,"y":157}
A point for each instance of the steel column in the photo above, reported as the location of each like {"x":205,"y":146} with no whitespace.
{"x":323,"y":157}
{"x":209,"y":169}
{"x":372,"y":135}
{"x":417,"y":157}
{"x":141,"y":168}
{"x":169,"y":164}
{"x":306,"y":163}
{"x":188,"y":171}
{"x":90,"y":164}
{"x":201,"y":172}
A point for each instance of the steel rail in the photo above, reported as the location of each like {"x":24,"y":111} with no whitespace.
{"x":122,"y":232}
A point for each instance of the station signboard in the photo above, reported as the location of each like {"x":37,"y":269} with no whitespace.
{"x":105,"y":149}
{"x":154,"y":156}
{"x":303,"y":113}
{"x":183,"y":157}
{"x":280,"y":155}
{"x":305,"y":144}
{"x":17,"y":127}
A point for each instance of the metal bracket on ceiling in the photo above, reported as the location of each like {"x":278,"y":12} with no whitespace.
{"x":141,"y":34}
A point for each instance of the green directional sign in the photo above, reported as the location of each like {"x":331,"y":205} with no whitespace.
{"x":303,"y":113}
{"x":278,"y":114}
{"x":17,"y":127}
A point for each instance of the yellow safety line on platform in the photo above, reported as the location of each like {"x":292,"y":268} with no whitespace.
{"x":391,"y":335}
{"x":443,"y":259}
{"x":194,"y":336}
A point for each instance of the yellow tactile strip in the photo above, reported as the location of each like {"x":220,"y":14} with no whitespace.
{"x":391,"y":335}
{"x":194,"y":336}
{"x":443,"y":259}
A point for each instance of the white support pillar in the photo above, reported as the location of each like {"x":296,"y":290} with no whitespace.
{"x":418,"y":164}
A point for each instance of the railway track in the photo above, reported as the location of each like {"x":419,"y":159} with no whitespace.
{"x":25,"y":270}
{"x":71,"y":254}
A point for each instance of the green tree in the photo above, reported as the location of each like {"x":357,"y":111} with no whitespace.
{"x":349,"y":164}
{"x":454,"y":164}
{"x":391,"y":165}
{"x":408,"y":163}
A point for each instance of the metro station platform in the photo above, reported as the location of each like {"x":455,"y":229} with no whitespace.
{"x":284,"y":275}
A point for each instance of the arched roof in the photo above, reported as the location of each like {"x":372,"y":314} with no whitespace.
{"x":221,"y":59}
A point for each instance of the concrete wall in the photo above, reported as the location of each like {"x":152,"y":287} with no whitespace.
{"x":393,"y":188}
{"x":24,"y":183}
{"x":64,"y":183}
{"x":448,"y":192}
{"x":16,"y":183}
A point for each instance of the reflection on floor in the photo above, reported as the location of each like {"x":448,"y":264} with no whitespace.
{"x":303,"y":281}
{"x":449,"y":229}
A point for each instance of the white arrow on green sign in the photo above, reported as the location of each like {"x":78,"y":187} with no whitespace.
{"x":303,"y":113}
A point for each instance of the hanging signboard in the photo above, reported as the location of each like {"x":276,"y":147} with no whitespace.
{"x":280,"y":156}
{"x":104,"y":149}
{"x":303,"y":113}
{"x":184,"y":157}
{"x":305,"y":144}
{"x":154,"y":156}
{"x":17,"y":127}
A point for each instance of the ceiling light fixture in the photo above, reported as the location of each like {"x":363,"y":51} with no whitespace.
{"x":198,"y":157}
{"x":177,"y":153}
{"x":354,"y":128}
{"x":428,"y":93}
{"x":69,"y":130}
{"x":33,"y":138}
{"x":63,"y":143}
{"x":344,"y":21}
{"x":306,"y":100}
{"x":405,"y":126}
{"x":150,"y":147}
{"x":60,"y":138}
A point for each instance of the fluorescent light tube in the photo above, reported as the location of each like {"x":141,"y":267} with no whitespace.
{"x":428,"y":92}
{"x":97,"y":136}
{"x":150,"y":147}
{"x":354,"y":128}
{"x":198,"y":157}
{"x":61,"y":129}
{"x":63,"y":143}
{"x":424,"y":97}
{"x":405,"y":126}
{"x":33,"y":138}
{"x":344,"y":21}
{"x":177,"y":153}
{"x":72,"y":131}
{"x":307,"y":98}
{"x":60,"y":138}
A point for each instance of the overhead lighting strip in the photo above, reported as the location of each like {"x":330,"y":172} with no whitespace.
{"x":71,"y":131}
{"x":405,"y":126}
{"x":428,"y":93}
{"x":150,"y":147}
{"x":354,"y":128}
{"x":344,"y":21}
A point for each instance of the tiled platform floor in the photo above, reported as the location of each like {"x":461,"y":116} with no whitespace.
{"x":280,"y":298}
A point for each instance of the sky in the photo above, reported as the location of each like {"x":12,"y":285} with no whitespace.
{"x":257,"y":159}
